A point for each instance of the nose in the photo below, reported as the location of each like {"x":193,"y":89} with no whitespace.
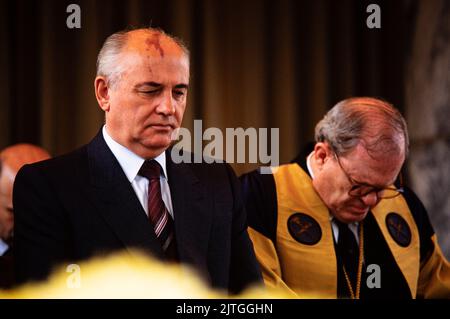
{"x":371,"y":199}
{"x":166,"y":106}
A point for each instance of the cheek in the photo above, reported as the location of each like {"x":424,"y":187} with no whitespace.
{"x":9,"y":221}
{"x":4,"y":216}
{"x":139,"y":115}
{"x":339,"y":192}
{"x":118,"y":113}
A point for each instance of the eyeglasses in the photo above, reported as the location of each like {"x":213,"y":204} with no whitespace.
{"x":363,"y":189}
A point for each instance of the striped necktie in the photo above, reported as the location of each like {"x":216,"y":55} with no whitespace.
{"x":157,"y":212}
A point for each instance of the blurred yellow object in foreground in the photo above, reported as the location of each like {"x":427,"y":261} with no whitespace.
{"x":126,"y":275}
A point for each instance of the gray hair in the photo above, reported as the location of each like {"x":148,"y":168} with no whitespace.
{"x":374,"y":122}
{"x":108,"y":64}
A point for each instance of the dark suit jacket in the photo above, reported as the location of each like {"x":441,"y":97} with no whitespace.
{"x":81,"y":204}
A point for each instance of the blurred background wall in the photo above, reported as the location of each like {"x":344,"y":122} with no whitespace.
{"x":255,"y":63}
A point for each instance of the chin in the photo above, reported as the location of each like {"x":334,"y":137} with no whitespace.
{"x":360,"y":217}
{"x":156,"y":141}
{"x":357,"y":217}
{"x":351,"y":217}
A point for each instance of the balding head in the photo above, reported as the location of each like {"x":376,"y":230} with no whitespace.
{"x":154,"y":42}
{"x":374,"y":123}
{"x":11,"y":160}
{"x":16,"y":156}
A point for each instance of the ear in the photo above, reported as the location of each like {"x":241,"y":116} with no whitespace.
{"x":322,"y":153}
{"x":102,"y":92}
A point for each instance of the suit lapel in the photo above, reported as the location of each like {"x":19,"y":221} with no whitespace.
{"x":192,"y":211}
{"x":116,"y":200}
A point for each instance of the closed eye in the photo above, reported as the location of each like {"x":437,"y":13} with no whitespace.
{"x":155,"y":91}
{"x":178,"y":93}
{"x":180,"y":90}
{"x":148,"y":88}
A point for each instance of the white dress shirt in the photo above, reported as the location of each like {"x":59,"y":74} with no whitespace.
{"x":353,"y":226}
{"x":131,"y":164}
{"x":3,"y":247}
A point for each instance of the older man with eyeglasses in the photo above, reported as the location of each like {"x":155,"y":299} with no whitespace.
{"x":338,"y":222}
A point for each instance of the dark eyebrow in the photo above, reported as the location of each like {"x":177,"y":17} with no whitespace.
{"x":182,"y":86}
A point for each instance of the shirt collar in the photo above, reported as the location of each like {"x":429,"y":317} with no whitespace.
{"x":3,"y":247}
{"x":129,"y":161}
{"x":308,"y":165}
{"x":353,"y":224}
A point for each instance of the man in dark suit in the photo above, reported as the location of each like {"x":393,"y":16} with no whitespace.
{"x":104,"y":197}
{"x":12,"y":159}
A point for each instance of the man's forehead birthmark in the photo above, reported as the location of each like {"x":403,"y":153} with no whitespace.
{"x":153,"y":41}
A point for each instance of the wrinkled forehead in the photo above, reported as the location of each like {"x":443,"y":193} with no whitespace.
{"x":154,"y":44}
{"x":378,"y":169}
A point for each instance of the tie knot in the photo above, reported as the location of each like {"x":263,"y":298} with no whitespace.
{"x":345,"y":233}
{"x":346,"y":236}
{"x":150,"y":169}
{"x":340,"y":224}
